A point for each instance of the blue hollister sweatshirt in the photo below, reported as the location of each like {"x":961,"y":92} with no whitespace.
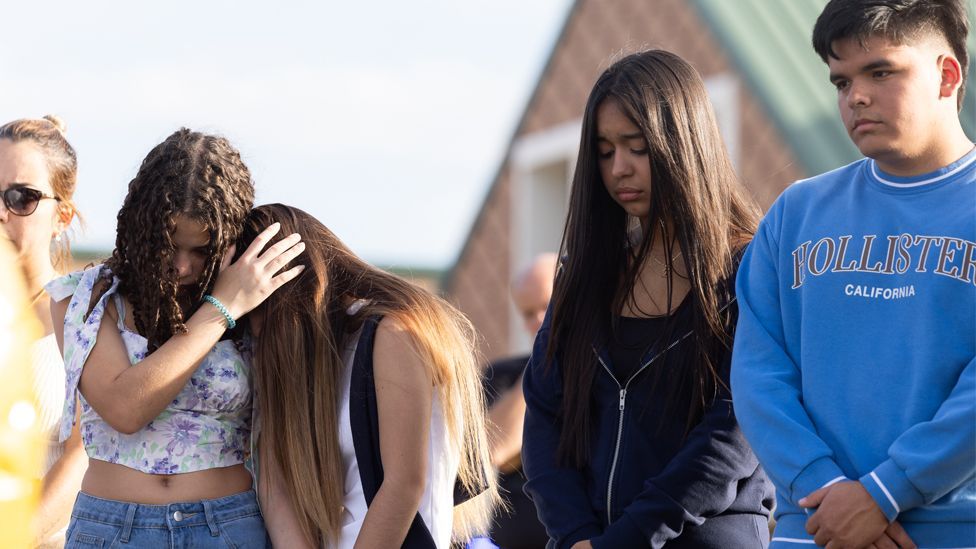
{"x":854,"y":352}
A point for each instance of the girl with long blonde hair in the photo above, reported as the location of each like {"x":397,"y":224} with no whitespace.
{"x":371,"y":419}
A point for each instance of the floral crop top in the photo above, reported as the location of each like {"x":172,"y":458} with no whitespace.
{"x":208,"y":424}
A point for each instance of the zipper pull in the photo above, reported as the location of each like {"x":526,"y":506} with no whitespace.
{"x":623,"y":397}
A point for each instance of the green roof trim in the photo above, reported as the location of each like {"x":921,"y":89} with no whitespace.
{"x":769,"y":42}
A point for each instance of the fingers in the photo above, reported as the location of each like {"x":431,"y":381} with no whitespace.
{"x":898,"y":534}
{"x":813,"y":524}
{"x":286,"y":276}
{"x":277,"y":256}
{"x":228,"y":257}
{"x":884,"y":542}
{"x":814,"y":499}
{"x":278,"y":247}
{"x":261,"y":241}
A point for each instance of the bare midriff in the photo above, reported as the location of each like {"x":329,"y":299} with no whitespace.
{"x":118,"y":482}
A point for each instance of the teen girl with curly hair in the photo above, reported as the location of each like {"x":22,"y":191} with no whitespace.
{"x":630,"y":438}
{"x":165,"y":396}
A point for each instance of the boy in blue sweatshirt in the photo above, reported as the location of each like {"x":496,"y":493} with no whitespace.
{"x":853,"y":370}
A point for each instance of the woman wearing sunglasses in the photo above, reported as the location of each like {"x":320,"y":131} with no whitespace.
{"x":38,"y":174}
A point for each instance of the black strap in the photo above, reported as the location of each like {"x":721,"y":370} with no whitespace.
{"x":364,"y":421}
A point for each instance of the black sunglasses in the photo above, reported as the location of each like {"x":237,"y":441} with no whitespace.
{"x":23,"y":201}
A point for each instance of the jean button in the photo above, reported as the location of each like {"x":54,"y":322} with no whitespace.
{"x":177,"y":516}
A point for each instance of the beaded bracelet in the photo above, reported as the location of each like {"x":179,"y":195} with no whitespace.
{"x":231,"y":323}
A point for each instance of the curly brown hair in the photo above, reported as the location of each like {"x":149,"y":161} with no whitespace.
{"x":190,"y":174}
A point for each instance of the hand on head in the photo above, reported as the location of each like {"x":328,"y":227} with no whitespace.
{"x":244,"y":284}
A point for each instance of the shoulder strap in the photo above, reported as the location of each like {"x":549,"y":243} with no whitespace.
{"x":364,"y":421}
{"x":120,"y":308}
{"x":80,"y":331}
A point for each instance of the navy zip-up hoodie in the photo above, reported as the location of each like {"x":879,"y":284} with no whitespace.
{"x":645,"y":485}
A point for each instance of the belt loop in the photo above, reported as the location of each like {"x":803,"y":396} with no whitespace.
{"x":211,"y":521}
{"x":130,"y":515}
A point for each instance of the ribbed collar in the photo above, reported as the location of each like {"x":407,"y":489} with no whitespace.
{"x":926,"y":181}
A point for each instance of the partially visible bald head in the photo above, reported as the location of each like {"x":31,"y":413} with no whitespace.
{"x":532,"y":289}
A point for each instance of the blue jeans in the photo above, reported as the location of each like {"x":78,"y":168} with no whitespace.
{"x":233,"y":521}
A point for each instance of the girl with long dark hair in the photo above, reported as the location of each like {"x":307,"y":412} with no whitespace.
{"x":630,"y":437}
{"x":164,"y":394}
{"x":371,"y":428}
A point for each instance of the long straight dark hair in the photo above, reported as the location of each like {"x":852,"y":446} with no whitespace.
{"x":696,"y":202}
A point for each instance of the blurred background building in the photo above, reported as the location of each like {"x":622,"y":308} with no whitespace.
{"x":775,"y":107}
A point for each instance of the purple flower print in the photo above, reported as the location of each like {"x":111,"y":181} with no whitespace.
{"x":164,"y":467}
{"x":182,"y":436}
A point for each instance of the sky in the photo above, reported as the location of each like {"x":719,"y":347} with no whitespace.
{"x":386,"y":120}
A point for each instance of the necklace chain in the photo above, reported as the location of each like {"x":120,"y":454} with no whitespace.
{"x":667,"y":266}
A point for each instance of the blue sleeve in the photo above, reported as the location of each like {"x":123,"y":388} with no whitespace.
{"x":700,"y":481}
{"x":766,"y":381}
{"x":559,"y":493}
{"x":930,"y":459}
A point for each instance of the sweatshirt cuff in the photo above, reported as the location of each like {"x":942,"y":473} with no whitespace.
{"x":588,"y":531}
{"x":624,"y":532}
{"x":891,"y":490}
{"x":816,"y":475}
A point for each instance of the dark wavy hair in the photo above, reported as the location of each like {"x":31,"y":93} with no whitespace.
{"x":899,"y":21}
{"x":697,"y":201}
{"x":189,"y":174}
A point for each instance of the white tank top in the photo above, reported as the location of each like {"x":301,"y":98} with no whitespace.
{"x":437,"y":503}
{"x":47,"y":374}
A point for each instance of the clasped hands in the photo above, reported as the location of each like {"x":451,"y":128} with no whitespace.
{"x":847,"y":517}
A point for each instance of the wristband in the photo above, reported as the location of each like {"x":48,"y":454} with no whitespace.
{"x":231,"y":323}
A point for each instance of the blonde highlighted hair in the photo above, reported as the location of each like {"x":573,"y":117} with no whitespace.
{"x":298,"y":364}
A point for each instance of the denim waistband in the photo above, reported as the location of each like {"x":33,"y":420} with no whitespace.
{"x":171,"y":516}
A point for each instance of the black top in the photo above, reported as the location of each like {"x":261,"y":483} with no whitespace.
{"x":632,"y":337}
{"x":631,"y":341}
{"x":502,"y":375}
